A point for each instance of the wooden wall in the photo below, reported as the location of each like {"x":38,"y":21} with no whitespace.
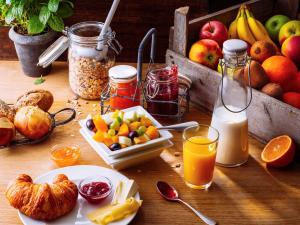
{"x":132,"y":20}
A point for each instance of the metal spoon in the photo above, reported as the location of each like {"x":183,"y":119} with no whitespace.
{"x":171,"y":194}
{"x":179,"y":126}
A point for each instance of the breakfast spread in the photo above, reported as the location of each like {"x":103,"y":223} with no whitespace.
{"x":122,"y":130}
{"x":43,"y":201}
{"x":128,"y":133}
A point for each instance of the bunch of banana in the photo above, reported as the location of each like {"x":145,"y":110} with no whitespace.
{"x":247,"y":28}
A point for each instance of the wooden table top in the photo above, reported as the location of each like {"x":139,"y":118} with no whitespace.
{"x":250,"y":194}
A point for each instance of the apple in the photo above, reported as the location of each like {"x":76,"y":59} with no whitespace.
{"x":291,"y":49}
{"x":7,"y":131}
{"x":291,"y":28}
{"x":274,"y":24}
{"x":214,"y":30}
{"x":206,"y":52}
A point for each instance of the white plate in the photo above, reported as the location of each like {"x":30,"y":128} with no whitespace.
{"x":78,"y":214}
{"x":164,"y":135}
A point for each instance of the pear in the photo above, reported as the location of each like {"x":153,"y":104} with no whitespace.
{"x":257,"y":74}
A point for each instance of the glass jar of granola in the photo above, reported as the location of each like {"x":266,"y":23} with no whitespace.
{"x":89,"y":65}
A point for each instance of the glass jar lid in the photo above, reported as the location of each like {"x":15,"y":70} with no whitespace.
{"x":85,"y":34}
{"x":234,"y":47}
{"x":122,"y":73}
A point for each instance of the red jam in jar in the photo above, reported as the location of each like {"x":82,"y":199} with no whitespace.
{"x":95,"y":191}
{"x":124,"y":90}
{"x":161,"y":90}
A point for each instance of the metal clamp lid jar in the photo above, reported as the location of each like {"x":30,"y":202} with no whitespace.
{"x":123,"y":87}
{"x":88,"y":65}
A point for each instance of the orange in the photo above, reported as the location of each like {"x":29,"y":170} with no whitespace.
{"x":279,"y":152}
{"x":280,"y":69}
{"x":100,"y":123}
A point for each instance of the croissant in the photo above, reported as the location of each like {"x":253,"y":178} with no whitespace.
{"x":43,"y":201}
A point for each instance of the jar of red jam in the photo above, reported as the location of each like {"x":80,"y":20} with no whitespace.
{"x":161,"y":91}
{"x":124,"y":89}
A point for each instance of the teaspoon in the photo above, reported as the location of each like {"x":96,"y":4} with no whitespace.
{"x":171,"y":194}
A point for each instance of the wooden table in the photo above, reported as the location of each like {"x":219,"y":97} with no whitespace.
{"x":250,"y":194}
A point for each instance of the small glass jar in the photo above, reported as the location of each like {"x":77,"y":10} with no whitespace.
{"x":88,"y":66}
{"x":161,"y":91}
{"x":124,"y":89}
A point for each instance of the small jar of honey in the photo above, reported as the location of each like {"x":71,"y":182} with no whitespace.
{"x":64,"y":155}
{"x":124,"y":89}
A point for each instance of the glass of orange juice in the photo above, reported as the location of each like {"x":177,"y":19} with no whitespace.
{"x":199,"y":155}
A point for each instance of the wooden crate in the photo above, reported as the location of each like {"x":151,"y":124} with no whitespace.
{"x":268,"y":117}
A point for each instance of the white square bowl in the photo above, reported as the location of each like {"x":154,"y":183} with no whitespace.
{"x":88,"y":135}
{"x":133,"y":159}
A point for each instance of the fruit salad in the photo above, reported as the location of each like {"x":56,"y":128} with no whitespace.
{"x":122,"y":130}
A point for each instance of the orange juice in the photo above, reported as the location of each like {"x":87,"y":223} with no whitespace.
{"x":199,"y":155}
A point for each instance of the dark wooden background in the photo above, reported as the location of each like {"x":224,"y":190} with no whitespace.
{"x":132,"y":20}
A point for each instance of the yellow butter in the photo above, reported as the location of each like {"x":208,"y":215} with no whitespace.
{"x":116,"y":212}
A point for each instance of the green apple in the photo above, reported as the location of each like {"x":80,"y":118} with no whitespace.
{"x":274,"y":24}
{"x":289,"y":29}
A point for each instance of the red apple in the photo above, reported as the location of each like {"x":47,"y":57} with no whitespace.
{"x":206,"y":52}
{"x":293,"y":85}
{"x":291,"y":49}
{"x":214,"y":30}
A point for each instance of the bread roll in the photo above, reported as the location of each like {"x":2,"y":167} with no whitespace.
{"x":32,"y":122}
{"x":6,"y":111}
{"x":41,"y":98}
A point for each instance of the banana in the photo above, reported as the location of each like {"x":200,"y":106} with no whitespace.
{"x":232,"y":31}
{"x":243,"y":29}
{"x":257,"y":29}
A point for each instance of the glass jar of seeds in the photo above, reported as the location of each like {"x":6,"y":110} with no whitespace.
{"x":90,"y":58}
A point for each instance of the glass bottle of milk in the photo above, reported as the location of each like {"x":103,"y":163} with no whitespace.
{"x":229,"y":115}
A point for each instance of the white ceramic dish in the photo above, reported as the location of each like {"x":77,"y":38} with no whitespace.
{"x":129,"y":160}
{"x":78,"y":214}
{"x":164,"y":135}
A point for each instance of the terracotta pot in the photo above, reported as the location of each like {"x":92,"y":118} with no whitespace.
{"x":29,"y":48}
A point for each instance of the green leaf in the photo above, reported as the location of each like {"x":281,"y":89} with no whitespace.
{"x":39,"y":80}
{"x":56,"y":23}
{"x":9,"y":16}
{"x":53,"y":5}
{"x":17,"y":10}
{"x":44,"y":15}
{"x":65,"y":10}
{"x":35,"y":26}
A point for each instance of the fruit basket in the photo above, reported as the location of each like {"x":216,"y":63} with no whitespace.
{"x":268,"y":117}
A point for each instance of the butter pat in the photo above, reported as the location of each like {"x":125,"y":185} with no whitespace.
{"x":124,"y":190}
{"x":116,"y":212}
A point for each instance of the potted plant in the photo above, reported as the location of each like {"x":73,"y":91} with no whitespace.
{"x":34,"y":26}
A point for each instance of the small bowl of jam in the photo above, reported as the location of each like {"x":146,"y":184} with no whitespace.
{"x":95,"y":189}
{"x":64,"y":155}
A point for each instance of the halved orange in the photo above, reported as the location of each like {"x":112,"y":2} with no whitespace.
{"x":279,"y":151}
